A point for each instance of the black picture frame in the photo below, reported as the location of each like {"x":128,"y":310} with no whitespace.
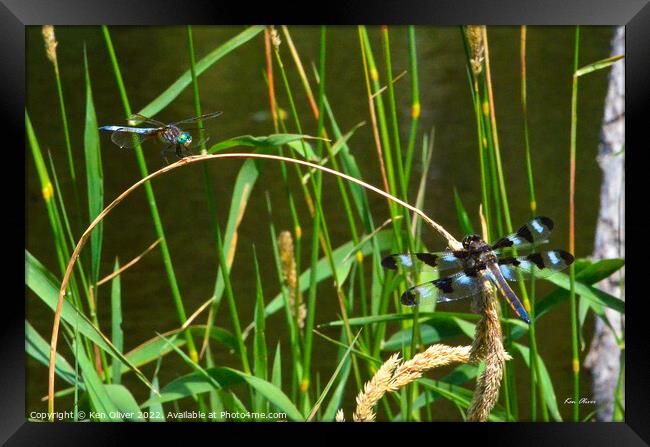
{"x":634,"y":14}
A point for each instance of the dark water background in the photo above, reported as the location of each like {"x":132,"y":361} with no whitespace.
{"x":152,"y":58}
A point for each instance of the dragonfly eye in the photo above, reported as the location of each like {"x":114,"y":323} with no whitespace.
{"x":467,"y":240}
{"x":184,"y":138}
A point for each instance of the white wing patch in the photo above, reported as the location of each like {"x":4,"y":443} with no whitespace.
{"x":406,"y":260}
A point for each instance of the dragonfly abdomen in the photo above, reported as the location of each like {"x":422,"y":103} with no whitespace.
{"x":140,"y":130}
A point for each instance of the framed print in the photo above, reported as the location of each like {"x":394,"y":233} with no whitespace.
{"x":386,"y":212}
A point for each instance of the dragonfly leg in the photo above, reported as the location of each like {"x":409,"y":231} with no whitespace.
{"x":163,"y":154}
{"x":179,"y":151}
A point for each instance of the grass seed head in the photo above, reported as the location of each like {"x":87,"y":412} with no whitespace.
{"x":475,"y":38}
{"x":50,"y":43}
{"x":288,"y":263}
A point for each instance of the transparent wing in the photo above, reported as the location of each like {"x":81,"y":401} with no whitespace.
{"x":539,"y":265}
{"x":446,"y":289}
{"x":537,"y":231}
{"x":443,"y":260}
{"x":128,"y":138}
{"x":136,"y":119}
{"x":205,"y":117}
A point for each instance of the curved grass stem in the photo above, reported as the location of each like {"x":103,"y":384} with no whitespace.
{"x":453,"y":243}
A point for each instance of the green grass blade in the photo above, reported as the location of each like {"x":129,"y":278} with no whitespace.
{"x":575,"y":354}
{"x":61,"y":204}
{"x":324,"y":270}
{"x":174,"y":90}
{"x":48,"y":193}
{"x":590,"y":293}
{"x":232,"y":304}
{"x":463,"y":219}
{"x":588,"y":275}
{"x":246,"y":179}
{"x":260,"y":355}
{"x":51,"y":45}
{"x":332,"y":151}
{"x":195,"y":383}
{"x":549,"y":392}
{"x":350,"y":167}
{"x":125,"y":402}
{"x":156,"y":411}
{"x":386,"y":318}
{"x":320,"y":399}
{"x":224,"y":378}
{"x":96,"y":390}
{"x":336,"y":401}
{"x":415,"y":102}
{"x":244,"y":184}
{"x":272,"y":393}
{"x":46,"y":287}
{"x":117,"y":335}
{"x":156,"y":348}
{"x":459,"y":396}
{"x":458,"y":376}
{"x":267,"y":142}
{"x":598,"y":65}
{"x":94,"y":176}
{"x":429,"y":334}
{"x":344,"y":346}
{"x":39,"y":349}
{"x":290,"y":318}
{"x":276,"y":370}
{"x":151,"y":199}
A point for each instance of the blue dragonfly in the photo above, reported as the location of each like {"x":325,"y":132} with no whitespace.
{"x":174,"y":136}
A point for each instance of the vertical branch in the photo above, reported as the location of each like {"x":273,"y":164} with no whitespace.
{"x":604,"y":357}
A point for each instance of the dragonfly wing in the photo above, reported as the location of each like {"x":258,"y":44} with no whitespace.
{"x":136,"y":119}
{"x":205,"y":117}
{"x":128,"y":137}
{"x":537,"y":231}
{"x":446,"y":289}
{"x":539,"y":265}
{"x":443,"y":260}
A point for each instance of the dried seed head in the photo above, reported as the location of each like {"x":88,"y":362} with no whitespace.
{"x":288,"y":263}
{"x":477,"y":49}
{"x":50,"y":42}
{"x":374,"y":389}
{"x":340,"y":417}
{"x":392,"y":376}
{"x":487,"y":345}
{"x":434,"y":357}
{"x":275,"y":38}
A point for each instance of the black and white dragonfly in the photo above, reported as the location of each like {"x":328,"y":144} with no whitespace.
{"x":478,"y":260}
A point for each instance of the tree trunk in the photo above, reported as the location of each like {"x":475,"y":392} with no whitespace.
{"x":604,"y":355}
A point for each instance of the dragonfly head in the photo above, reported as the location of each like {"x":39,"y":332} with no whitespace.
{"x":184,"y":139}
{"x":472,"y":242}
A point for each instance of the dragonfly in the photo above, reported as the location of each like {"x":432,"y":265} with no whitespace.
{"x":478,"y":260}
{"x":174,"y":136}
